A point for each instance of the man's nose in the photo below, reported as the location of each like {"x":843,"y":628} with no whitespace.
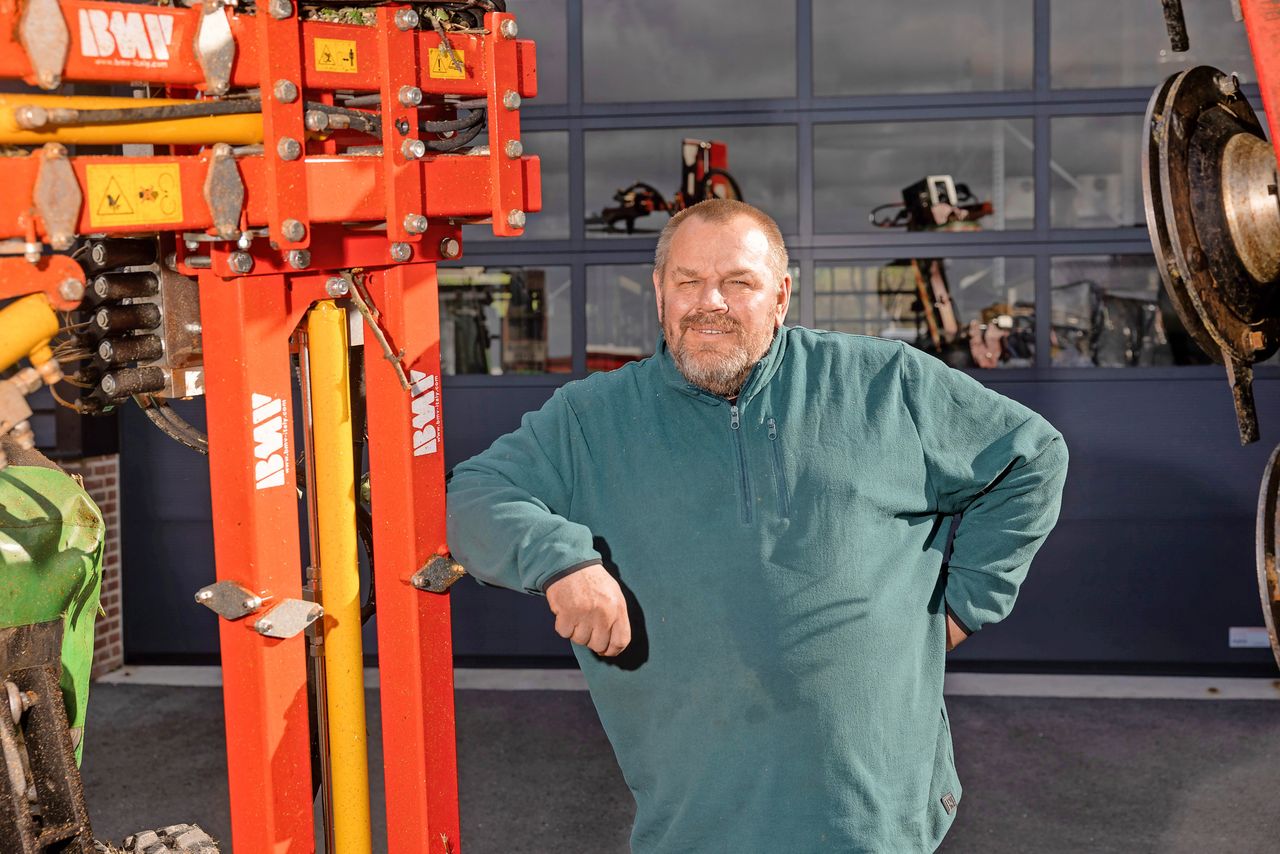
{"x":711,"y":298}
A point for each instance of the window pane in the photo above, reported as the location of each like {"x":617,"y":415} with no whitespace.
{"x":505,"y":320}
{"x":761,"y":161}
{"x":1098,"y":43}
{"x":861,"y":167}
{"x":1097,"y":162}
{"x":545,"y":22}
{"x":992,"y":318}
{"x":1111,"y":311}
{"x":622,"y":318}
{"x":552,"y":222}
{"x":873,"y":47}
{"x":676,"y":50}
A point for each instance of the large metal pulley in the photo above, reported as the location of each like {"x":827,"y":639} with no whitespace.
{"x":1213,"y":211}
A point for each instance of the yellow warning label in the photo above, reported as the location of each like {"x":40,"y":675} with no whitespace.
{"x":337,"y":55}
{"x":442,"y":66}
{"x":138,"y":194}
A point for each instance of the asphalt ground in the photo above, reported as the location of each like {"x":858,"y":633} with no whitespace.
{"x":537,"y":775}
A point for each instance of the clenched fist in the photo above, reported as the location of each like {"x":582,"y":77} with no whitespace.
{"x":590,"y":610}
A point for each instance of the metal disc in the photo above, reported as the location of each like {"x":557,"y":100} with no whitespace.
{"x":1268,"y":582}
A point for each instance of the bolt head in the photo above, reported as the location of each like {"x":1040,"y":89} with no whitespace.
{"x":406,"y":19}
{"x":516,"y":219}
{"x":204,"y":595}
{"x":401,"y":252}
{"x":31,"y":117}
{"x":412,"y":149}
{"x":71,"y":290}
{"x":514,"y":149}
{"x":292,"y":230}
{"x":508,"y":29}
{"x":299,"y":259}
{"x":511,"y":99}
{"x":263,"y":626}
{"x":280,"y":9}
{"x":410,"y":96}
{"x":288,"y":148}
{"x":316,"y":121}
{"x":415,"y":223}
{"x":450,"y":247}
{"x":1229,"y":85}
{"x":337,"y":287}
{"x":285,"y":91}
{"x":240,"y":262}
{"x":108,"y":384}
{"x":1257,"y":340}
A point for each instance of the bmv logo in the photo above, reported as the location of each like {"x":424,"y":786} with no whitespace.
{"x":426,"y":426}
{"x":143,"y":37}
{"x":269,"y":428}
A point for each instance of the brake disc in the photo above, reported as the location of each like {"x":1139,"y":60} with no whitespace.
{"x":1268,"y":581}
{"x":1210,"y":189}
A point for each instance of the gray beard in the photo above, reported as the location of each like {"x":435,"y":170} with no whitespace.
{"x":721,"y":375}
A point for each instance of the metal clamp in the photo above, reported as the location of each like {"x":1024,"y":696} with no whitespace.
{"x":224,"y":192}
{"x":290,"y":617}
{"x":215,"y":47}
{"x":229,"y":600}
{"x":438,"y":575}
{"x":57,"y":196}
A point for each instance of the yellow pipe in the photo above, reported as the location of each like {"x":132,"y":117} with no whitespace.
{"x":335,"y":491}
{"x":239,"y":129}
{"x":26,"y":325}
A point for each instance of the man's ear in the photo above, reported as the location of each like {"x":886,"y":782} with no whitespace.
{"x":657,"y":293}
{"x":784,"y":301}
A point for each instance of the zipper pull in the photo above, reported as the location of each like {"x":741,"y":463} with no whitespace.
{"x":773,"y":429}
{"x":733,"y":416}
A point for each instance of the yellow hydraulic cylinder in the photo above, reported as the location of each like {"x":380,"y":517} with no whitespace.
{"x":34,"y":119}
{"x":26,"y":325}
{"x":335,"y":491}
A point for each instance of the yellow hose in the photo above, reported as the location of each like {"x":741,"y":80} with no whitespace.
{"x":238,"y":129}
{"x":26,"y":325}
{"x":339,"y":576}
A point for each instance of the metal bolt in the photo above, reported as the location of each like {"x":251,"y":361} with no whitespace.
{"x":450,"y":247}
{"x":292,"y":230}
{"x":511,"y":99}
{"x":240,"y":262}
{"x":245,"y":240}
{"x":288,"y":148}
{"x":514,"y":149}
{"x":401,"y":251}
{"x":71,"y":290}
{"x":337,"y":287}
{"x":415,"y":223}
{"x":280,"y":9}
{"x":1257,"y":340}
{"x":251,"y":603}
{"x":263,"y":626}
{"x":109,"y":385}
{"x":32,"y":252}
{"x":516,"y":219}
{"x":1229,"y":85}
{"x":406,"y":19}
{"x":299,"y":259}
{"x":285,"y":91}
{"x":402,"y":126}
{"x":204,"y":595}
{"x":31,"y":117}
{"x":412,"y":149}
{"x":316,"y":121}
{"x":508,"y":29}
{"x":410,"y":96}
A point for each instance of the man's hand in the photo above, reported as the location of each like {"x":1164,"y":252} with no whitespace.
{"x":590,"y":610}
{"x":955,"y":634}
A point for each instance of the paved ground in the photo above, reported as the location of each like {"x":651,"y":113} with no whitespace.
{"x":538,"y":777}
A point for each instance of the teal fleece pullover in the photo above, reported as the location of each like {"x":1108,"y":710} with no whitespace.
{"x":781,"y":557}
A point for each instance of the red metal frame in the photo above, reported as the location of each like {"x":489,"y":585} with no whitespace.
{"x":248,"y":322}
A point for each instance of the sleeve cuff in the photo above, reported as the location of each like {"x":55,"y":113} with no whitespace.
{"x":567,"y":571}
{"x":959,"y":622}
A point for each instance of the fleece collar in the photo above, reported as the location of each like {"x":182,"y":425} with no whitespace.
{"x":760,"y":375}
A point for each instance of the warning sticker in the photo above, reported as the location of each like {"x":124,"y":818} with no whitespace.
{"x":442,"y":66}
{"x":138,"y":194}
{"x":338,"y":55}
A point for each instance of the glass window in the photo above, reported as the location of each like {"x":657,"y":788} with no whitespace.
{"x":636,"y":178}
{"x":676,"y":50}
{"x":1098,"y":43}
{"x":973,"y":312}
{"x":552,"y":222}
{"x":874,"y":47}
{"x":1111,"y":311}
{"x":622,"y":317}
{"x":1096,"y":167}
{"x":505,"y":320}
{"x":864,"y":168}
{"x":545,"y":22}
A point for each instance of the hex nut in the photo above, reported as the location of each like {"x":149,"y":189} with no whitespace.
{"x":263,"y":626}
{"x":288,"y":148}
{"x":415,"y":223}
{"x":298,"y":259}
{"x":511,"y":99}
{"x":406,"y":19}
{"x":412,"y":149}
{"x":280,"y":9}
{"x":337,"y":287}
{"x":285,"y":91}
{"x":401,"y":252}
{"x":516,"y":219}
{"x":514,"y":149}
{"x":508,"y":29}
{"x":240,"y":262}
{"x":410,"y":96}
{"x":292,"y":230}
{"x":71,"y":290}
{"x":450,"y":247}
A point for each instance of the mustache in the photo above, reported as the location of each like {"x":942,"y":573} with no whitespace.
{"x":709,"y":321}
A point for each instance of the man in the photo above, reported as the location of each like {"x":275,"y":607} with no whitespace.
{"x":743,"y":537}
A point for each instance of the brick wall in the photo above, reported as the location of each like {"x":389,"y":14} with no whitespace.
{"x":101,"y":480}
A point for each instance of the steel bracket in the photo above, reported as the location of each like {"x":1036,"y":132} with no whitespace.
{"x":57,"y":196}
{"x":224,"y":192}
{"x":43,"y":33}
{"x":229,"y":600}
{"x":215,"y":47}
{"x":290,"y":617}
{"x":438,"y":574}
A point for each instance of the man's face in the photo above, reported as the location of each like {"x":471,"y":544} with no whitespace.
{"x":719,"y":301}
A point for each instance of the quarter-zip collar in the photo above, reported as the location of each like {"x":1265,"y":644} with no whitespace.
{"x":760,"y":376}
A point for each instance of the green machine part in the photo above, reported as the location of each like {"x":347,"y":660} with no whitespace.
{"x":51,"y":544}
